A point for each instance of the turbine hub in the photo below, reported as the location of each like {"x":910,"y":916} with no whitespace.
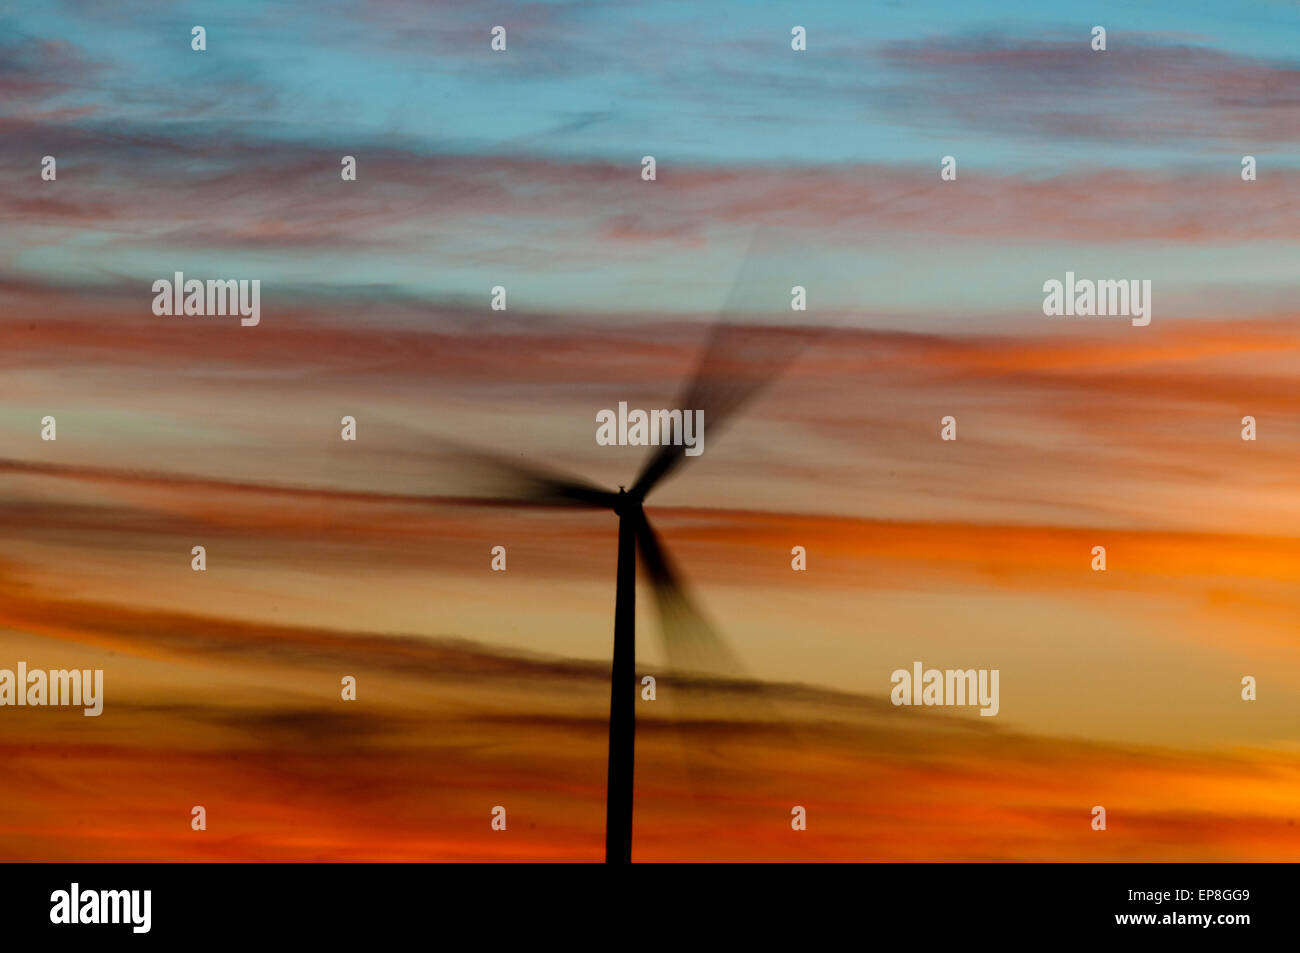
{"x":624,"y":503}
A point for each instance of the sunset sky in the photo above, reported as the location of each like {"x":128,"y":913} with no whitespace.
{"x":774,"y":168}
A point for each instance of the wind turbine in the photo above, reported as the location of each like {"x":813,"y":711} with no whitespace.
{"x":737,"y":362}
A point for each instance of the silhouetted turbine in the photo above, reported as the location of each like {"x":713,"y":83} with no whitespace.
{"x":737,"y":363}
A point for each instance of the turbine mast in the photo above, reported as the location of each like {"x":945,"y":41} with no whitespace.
{"x":622,"y":690}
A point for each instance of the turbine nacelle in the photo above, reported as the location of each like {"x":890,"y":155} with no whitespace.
{"x":627,"y":504}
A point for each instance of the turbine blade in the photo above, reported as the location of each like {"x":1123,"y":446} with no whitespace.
{"x":737,"y":364}
{"x":690,"y":640}
{"x":496,"y":477}
{"x":716,"y":719}
{"x":738,"y":361}
{"x":518,"y":480}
